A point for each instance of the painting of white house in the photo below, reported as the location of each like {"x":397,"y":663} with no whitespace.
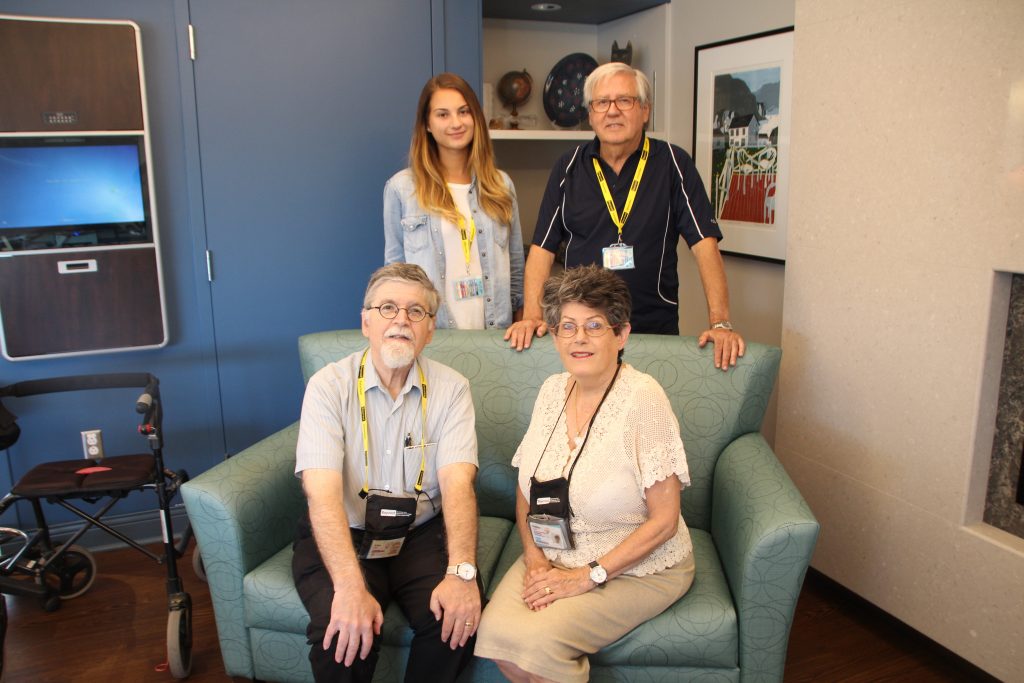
{"x":743,"y":94}
{"x":744,"y":158}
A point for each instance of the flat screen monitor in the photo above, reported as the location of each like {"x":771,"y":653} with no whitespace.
{"x":65,"y":192}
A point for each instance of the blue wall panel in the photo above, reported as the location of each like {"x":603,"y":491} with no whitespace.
{"x":463,"y":41}
{"x":304,"y":111}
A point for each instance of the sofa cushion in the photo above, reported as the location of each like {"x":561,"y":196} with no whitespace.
{"x":700,"y":630}
{"x":271,"y":601}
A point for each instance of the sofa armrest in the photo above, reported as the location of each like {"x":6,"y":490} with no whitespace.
{"x":243,"y":510}
{"x":765,"y":534}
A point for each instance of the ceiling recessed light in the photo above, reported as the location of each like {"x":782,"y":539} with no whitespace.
{"x":545,"y":7}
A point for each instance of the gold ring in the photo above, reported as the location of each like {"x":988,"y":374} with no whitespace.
{"x":469,"y":623}
{"x":547,"y":590}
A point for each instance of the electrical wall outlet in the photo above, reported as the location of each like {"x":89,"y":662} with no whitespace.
{"x":92,"y":444}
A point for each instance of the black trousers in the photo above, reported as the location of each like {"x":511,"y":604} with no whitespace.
{"x":408,"y":578}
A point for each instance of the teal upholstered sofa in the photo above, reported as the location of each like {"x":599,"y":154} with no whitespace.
{"x":753,"y":533}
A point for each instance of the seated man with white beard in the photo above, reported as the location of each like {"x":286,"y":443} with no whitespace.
{"x":387,"y":466}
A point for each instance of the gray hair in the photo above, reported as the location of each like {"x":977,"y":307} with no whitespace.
{"x":407,"y":273}
{"x":591,"y":286}
{"x":643,"y":86}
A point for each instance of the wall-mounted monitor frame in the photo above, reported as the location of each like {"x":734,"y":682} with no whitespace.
{"x":80,"y":265}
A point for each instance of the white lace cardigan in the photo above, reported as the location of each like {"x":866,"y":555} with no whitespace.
{"x":634,"y":443}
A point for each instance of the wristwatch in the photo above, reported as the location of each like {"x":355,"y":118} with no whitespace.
{"x":722,"y":325}
{"x":598,"y":574}
{"x":464,"y":570}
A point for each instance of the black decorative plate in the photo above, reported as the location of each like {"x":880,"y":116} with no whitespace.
{"x":563,"y":90}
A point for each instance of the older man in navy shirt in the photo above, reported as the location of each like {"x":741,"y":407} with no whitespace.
{"x":623,"y":200}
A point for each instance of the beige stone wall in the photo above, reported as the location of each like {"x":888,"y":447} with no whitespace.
{"x":907,"y":202}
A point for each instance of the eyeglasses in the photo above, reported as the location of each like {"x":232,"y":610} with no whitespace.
{"x":390,"y":311}
{"x":624,"y":103}
{"x":593,"y":328}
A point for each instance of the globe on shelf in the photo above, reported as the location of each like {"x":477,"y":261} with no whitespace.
{"x":514,"y":90}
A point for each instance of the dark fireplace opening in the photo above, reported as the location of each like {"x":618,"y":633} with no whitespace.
{"x":1004,"y":500}
{"x":1020,"y":479}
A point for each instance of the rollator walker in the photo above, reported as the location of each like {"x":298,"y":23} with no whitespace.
{"x":32,"y":565}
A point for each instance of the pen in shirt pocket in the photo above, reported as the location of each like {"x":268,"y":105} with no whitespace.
{"x":408,"y":440}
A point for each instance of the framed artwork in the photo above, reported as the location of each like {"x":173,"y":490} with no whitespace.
{"x":743,"y":91}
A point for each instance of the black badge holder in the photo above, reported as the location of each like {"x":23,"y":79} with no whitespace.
{"x":549,"y":514}
{"x":388,"y":520}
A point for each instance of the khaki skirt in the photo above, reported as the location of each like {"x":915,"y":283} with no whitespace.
{"x":554,"y":642}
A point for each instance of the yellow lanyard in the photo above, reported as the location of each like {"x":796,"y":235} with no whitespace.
{"x":619,"y":222}
{"x":467,"y":240}
{"x":366,"y":429}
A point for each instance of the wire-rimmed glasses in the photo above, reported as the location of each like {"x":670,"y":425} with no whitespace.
{"x":390,"y":311}
{"x":592,"y":328}
{"x":623,"y":103}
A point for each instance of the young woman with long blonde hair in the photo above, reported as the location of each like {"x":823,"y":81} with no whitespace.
{"x":453,"y":213}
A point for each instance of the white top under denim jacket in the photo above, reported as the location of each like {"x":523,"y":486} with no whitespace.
{"x":413,"y":235}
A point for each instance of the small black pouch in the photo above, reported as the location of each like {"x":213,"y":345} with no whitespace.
{"x":549,"y":497}
{"x":549,"y":513}
{"x":388,"y":520}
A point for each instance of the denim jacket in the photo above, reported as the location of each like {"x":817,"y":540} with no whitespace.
{"x":414,"y":236}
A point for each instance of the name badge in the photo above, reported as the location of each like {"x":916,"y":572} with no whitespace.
{"x":379,"y":549}
{"x":469,"y":288}
{"x":618,"y":256}
{"x":550,"y":532}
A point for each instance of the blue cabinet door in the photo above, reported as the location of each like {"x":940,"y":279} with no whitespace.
{"x":303,"y":110}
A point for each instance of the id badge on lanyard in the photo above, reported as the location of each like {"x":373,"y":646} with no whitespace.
{"x":468,"y":287}
{"x":549,"y":514}
{"x":388,"y":518}
{"x":619,"y":255}
{"x":388,"y":521}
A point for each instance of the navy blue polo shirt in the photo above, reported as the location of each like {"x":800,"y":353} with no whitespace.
{"x":670,"y":202}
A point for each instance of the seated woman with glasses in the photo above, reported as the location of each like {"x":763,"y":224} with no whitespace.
{"x":601,"y":468}
{"x":454,"y":214}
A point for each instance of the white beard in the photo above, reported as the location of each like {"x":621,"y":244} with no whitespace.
{"x":397,"y":354}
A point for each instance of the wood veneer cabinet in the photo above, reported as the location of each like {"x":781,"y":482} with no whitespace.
{"x":79,"y":250}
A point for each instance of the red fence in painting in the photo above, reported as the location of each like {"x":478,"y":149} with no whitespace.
{"x":751,"y":198}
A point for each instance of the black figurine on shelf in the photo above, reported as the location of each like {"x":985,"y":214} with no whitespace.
{"x":624,"y":54}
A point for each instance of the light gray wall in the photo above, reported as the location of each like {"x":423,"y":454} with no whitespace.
{"x":906,"y":212}
{"x":755,"y":287}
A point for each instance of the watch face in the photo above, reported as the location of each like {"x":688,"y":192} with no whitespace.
{"x":466,"y":571}
{"x":598,"y":574}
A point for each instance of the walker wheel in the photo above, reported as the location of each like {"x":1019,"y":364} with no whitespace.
{"x":72,"y":574}
{"x":179,"y":640}
{"x":50,"y":602}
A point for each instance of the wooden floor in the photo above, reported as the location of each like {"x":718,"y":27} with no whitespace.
{"x":116,"y":633}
